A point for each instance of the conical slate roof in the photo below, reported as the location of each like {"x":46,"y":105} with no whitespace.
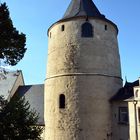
{"x":82,"y":8}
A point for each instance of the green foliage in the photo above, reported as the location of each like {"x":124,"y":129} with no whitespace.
{"x":17,"y":121}
{"x":12,"y":43}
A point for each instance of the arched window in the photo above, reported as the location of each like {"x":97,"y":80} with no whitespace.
{"x":87,"y":30}
{"x":62,"y":101}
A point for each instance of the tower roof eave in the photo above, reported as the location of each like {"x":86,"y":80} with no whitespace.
{"x":75,"y":18}
{"x":83,"y":9}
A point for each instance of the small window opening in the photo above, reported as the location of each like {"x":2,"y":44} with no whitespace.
{"x":50,"y":34}
{"x":139,"y":114}
{"x":62,"y":101}
{"x":106,"y":27}
{"x":136,"y":93}
{"x":62,"y":28}
{"x":86,"y":18}
{"x":123,"y":115}
{"x":87,"y":30}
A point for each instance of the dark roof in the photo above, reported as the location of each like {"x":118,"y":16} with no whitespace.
{"x":7,"y":82}
{"x":125,"y":92}
{"x":34,"y":94}
{"x":82,"y":8}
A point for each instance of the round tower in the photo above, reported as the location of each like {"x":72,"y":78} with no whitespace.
{"x":83,"y":73}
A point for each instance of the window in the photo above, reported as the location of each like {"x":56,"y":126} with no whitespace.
{"x":62,"y":101}
{"x":106,"y":27}
{"x":139,"y":114}
{"x":62,"y":28}
{"x":50,"y":34}
{"x":87,"y":30}
{"x":136,"y":93}
{"x":123,"y":115}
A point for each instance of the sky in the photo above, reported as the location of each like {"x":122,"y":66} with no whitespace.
{"x":34,"y":17}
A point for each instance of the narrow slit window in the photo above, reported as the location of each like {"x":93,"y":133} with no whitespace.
{"x":106,"y":27}
{"x":62,"y":101}
{"x":136,"y":93}
{"x":139,"y":114}
{"x":50,"y":34}
{"x":87,"y":30}
{"x":62,"y":28}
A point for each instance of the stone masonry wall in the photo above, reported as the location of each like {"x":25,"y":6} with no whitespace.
{"x":87,"y":71}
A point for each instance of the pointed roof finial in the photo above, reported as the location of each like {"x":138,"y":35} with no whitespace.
{"x":82,"y":8}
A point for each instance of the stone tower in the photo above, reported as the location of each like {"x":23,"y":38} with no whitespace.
{"x":83,"y":73}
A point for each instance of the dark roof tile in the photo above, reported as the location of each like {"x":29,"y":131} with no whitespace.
{"x":34,"y":94}
{"x":125,"y":92}
{"x":82,"y":8}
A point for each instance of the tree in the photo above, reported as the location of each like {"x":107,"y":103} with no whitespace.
{"x":12,"y":43}
{"x":18,"y":121}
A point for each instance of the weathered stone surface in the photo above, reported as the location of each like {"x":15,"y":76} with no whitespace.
{"x":68,"y":52}
{"x":87,"y":71}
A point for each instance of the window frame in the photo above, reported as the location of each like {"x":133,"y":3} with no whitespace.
{"x":123,"y":114}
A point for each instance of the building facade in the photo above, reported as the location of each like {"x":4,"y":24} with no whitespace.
{"x":126,"y":112}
